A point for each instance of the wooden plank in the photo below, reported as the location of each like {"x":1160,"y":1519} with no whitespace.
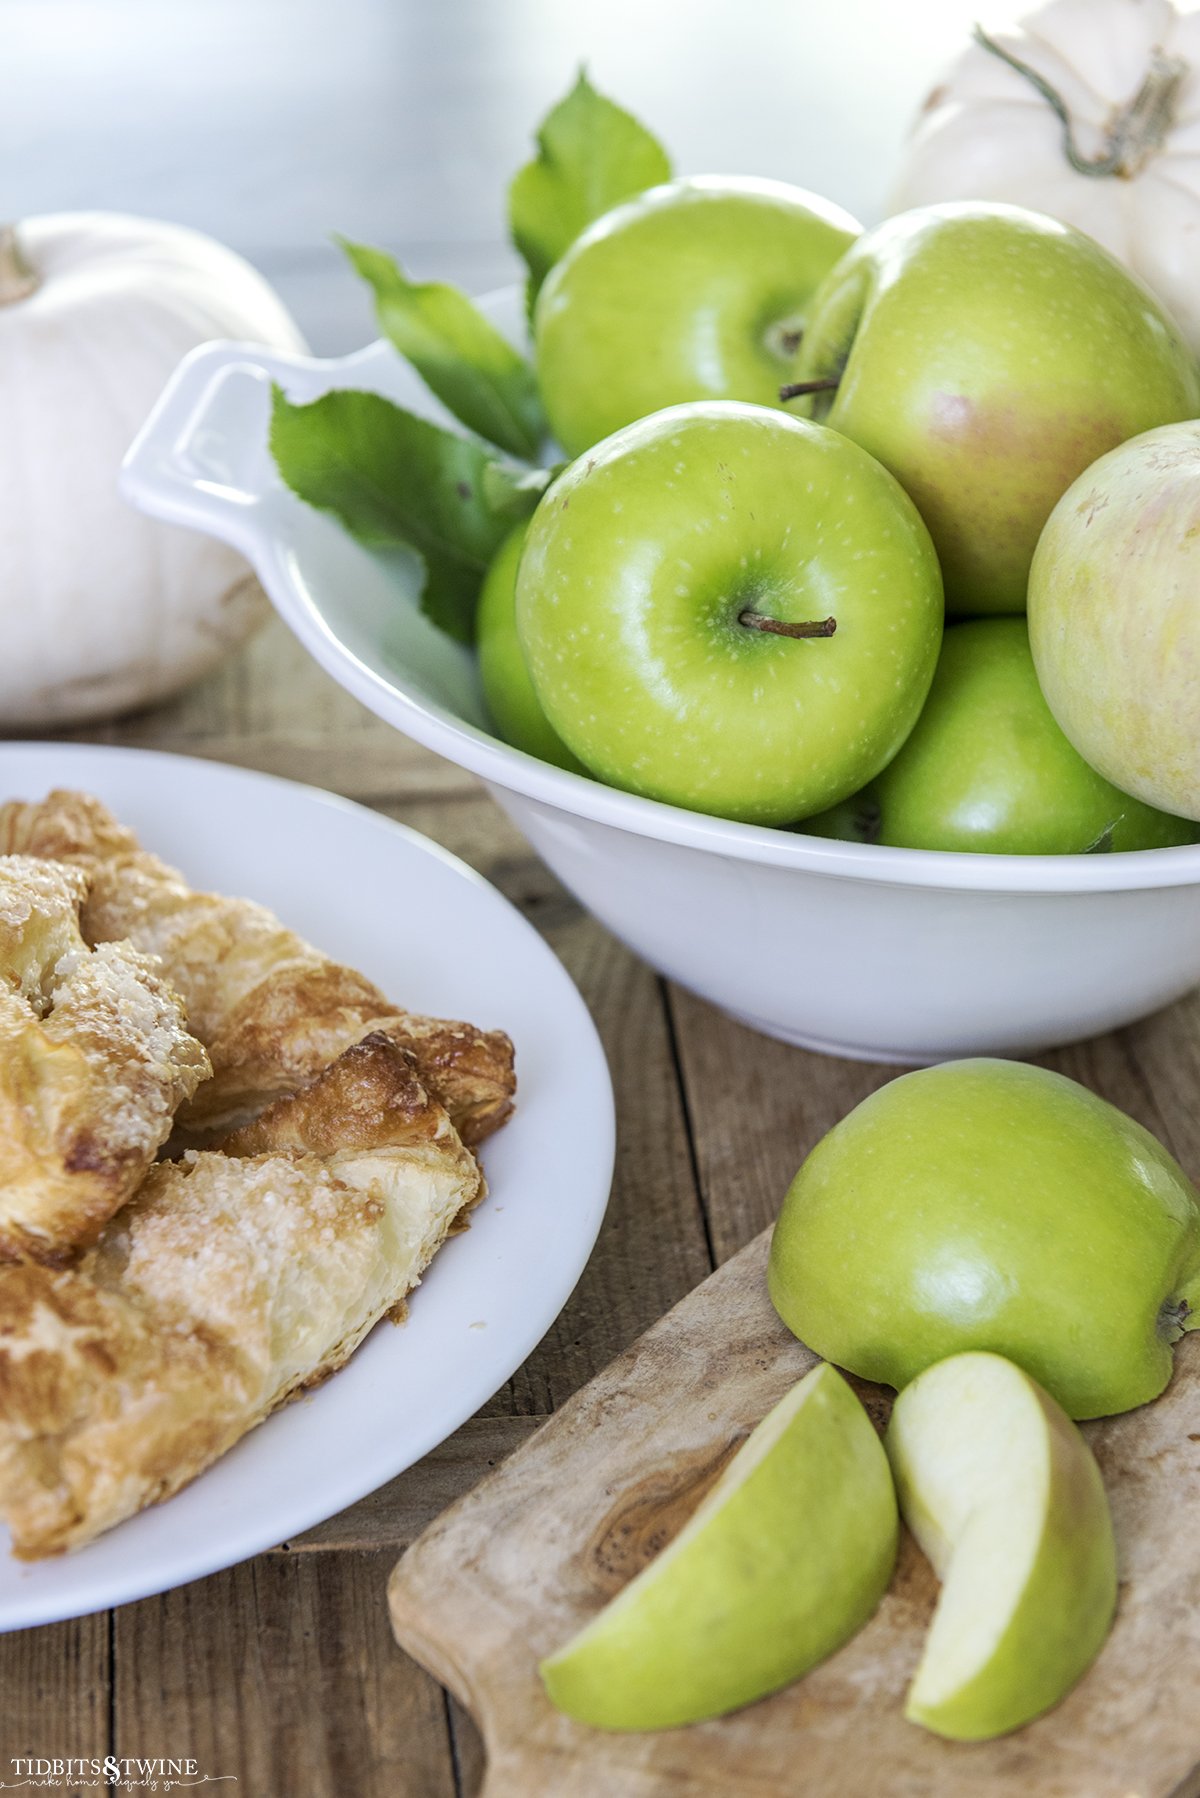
{"x":1152,"y":1070}
{"x":281,"y":1673}
{"x":54,"y":1692}
{"x":470,"y":1756}
{"x":756,"y":1107}
{"x":753,"y":1131}
{"x":652,"y":1248}
{"x":270,"y":707}
{"x":398,"y":1512}
{"x":514,"y":1568}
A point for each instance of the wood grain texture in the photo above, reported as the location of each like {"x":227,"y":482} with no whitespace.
{"x":519,"y":1564}
{"x":758,"y":1106}
{"x":652,"y":1247}
{"x":280,"y":1673}
{"x":397,"y":1513}
{"x":54,"y":1691}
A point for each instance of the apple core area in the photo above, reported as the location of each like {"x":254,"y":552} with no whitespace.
{"x":640,"y":564}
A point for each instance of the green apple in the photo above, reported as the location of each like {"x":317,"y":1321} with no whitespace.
{"x":695,"y":290}
{"x":987,"y":768}
{"x":992,"y":1205}
{"x":784,"y":1560}
{"x":731,"y":610}
{"x":1113,"y":616}
{"x":507,"y":688}
{"x":987,"y":355}
{"x":1005,"y":1498}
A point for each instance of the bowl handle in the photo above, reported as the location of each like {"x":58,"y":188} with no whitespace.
{"x":201,"y":458}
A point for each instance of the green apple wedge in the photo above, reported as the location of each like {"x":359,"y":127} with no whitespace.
{"x":784,"y":1560}
{"x":507,"y":688}
{"x":696,"y":289}
{"x":1005,"y":1498}
{"x":988,"y":1204}
{"x":987,"y":769}
{"x":1113,"y":617}
{"x":986,"y":355}
{"x":731,"y":610}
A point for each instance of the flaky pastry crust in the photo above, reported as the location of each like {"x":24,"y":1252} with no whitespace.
{"x":95,"y":1057}
{"x":271,"y":1010}
{"x":233,"y":1280}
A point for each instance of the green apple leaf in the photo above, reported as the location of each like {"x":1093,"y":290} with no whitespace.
{"x":392,"y":478}
{"x":457,"y":353}
{"x":1102,"y":845}
{"x":591,"y":155}
{"x":513,"y":493}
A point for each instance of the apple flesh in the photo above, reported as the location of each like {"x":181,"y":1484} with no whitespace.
{"x":1113,"y":616}
{"x":987,"y":355}
{"x":784,"y":1560}
{"x":987,"y":768}
{"x":507,"y":688}
{"x":695,"y":290}
{"x":1005,"y":1498}
{"x":991,"y":1205}
{"x":658,"y":575}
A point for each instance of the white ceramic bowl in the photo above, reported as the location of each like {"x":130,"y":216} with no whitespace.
{"x":893,"y":954}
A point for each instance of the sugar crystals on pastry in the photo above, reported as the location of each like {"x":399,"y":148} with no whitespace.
{"x":95,"y":1057}
{"x":271,"y":1010}
{"x":232,"y":1281}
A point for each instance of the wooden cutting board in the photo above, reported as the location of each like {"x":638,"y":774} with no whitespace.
{"x":510,"y":1571}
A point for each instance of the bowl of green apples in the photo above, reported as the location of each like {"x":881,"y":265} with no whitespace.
{"x":709,"y":554}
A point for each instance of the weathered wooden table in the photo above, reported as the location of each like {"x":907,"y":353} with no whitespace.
{"x":282,"y":1671}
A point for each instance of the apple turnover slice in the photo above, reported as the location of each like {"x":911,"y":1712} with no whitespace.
{"x":95,"y":1056}
{"x":271,"y":1010}
{"x":228,"y":1284}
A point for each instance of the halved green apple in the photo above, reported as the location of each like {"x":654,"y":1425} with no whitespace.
{"x":1004,"y":1496}
{"x":783,"y":1560}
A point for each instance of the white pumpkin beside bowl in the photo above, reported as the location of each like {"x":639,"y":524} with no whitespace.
{"x":1088,"y":110}
{"x":101,"y":608}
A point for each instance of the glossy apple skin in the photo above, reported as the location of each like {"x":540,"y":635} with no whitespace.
{"x":1114,"y":621}
{"x":638,"y":564}
{"x":686,"y":293}
{"x":987,"y":355}
{"x":507,"y":688}
{"x":1059,"y":1614}
{"x":992,"y":1205}
{"x":986,"y":768}
{"x":788,"y":1567}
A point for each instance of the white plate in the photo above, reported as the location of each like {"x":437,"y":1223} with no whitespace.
{"x":439,"y":939}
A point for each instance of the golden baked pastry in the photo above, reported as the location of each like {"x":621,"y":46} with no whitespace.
{"x":229,"y":1283}
{"x":95,"y":1056}
{"x":271,"y":1010}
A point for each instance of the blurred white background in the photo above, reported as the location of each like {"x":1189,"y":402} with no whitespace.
{"x":272,"y":123}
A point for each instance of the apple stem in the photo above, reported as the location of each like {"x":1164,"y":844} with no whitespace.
{"x":779,"y":627}
{"x":795,"y":390}
{"x":1135,"y":132}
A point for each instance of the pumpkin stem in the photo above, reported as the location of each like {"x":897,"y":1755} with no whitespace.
{"x":18,"y":278}
{"x":1134,"y":132}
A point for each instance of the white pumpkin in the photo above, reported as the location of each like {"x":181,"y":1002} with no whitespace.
{"x":1099,"y":127}
{"x":102,"y":609}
